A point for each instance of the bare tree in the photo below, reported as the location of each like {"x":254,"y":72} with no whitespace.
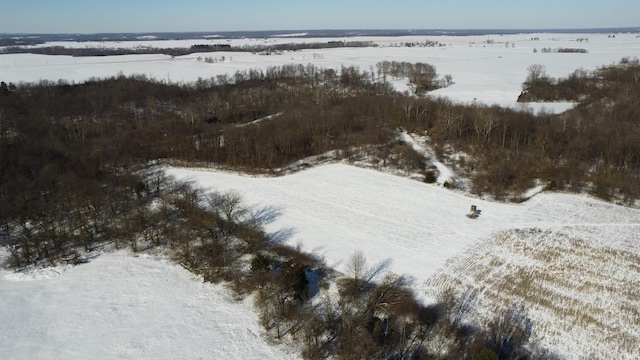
{"x":535,"y":73}
{"x":229,"y":204}
{"x":509,"y":332}
{"x":357,"y":268}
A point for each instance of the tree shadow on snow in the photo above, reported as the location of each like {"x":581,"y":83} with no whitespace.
{"x":378,"y":269}
{"x":266,"y":214}
{"x":280,"y":236}
{"x":372,"y":272}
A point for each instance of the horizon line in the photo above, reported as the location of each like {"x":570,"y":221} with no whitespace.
{"x":293,"y":31}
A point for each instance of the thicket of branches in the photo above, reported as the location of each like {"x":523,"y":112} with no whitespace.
{"x":613,"y":82}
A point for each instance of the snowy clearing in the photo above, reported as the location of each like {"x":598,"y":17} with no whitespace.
{"x":123,"y":307}
{"x":421,"y":231}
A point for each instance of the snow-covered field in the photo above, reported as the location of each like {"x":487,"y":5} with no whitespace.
{"x":487,"y":68}
{"x":334,"y":210}
{"x":572,"y":260}
{"x":421,"y":231}
{"x":120,"y":306}
{"x":581,"y":303}
{"x":123,"y":307}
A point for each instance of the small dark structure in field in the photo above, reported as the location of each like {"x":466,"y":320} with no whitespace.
{"x":474,"y":212}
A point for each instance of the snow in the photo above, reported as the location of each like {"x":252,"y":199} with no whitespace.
{"x":402,"y":85}
{"x":421,"y":231}
{"x":580,"y":304}
{"x":123,"y":307}
{"x":147,"y":37}
{"x":120,"y":306}
{"x":292,"y":35}
{"x":533,"y":192}
{"x":487,"y":69}
{"x":445,"y":174}
{"x":336,"y":209}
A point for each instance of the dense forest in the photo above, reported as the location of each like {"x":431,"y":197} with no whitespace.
{"x":81,"y":170}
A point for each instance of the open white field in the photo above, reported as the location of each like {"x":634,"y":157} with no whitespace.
{"x":123,"y":307}
{"x":421,"y":231}
{"x":487,"y":68}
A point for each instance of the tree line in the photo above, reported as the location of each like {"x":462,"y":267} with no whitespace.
{"x":11,"y":48}
{"x":596,"y":144}
{"x":311,"y":111}
{"x":355,"y":113}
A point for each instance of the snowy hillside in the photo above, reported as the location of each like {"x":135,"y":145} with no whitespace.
{"x":421,"y":231}
{"x":123,"y":307}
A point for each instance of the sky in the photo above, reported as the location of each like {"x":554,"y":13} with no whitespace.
{"x":88,"y":16}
